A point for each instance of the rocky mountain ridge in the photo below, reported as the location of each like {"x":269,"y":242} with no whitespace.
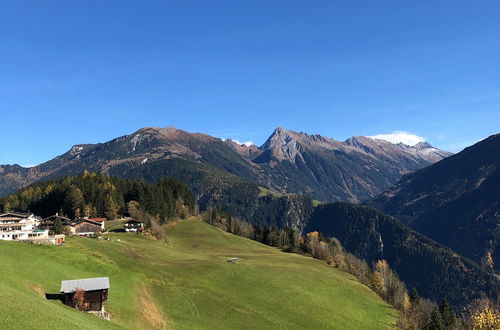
{"x":288,"y":162}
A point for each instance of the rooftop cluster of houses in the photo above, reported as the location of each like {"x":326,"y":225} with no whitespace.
{"x":16,"y":226}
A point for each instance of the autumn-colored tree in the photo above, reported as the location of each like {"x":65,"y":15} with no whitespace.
{"x":378,"y":282}
{"x":79,"y":299}
{"x":133,"y":209}
{"x":110,"y":208}
{"x":487,"y":260}
{"x":486,"y":318}
{"x":6,"y":206}
{"x":157,"y":230}
{"x":87,"y":210}
{"x":405,"y":303}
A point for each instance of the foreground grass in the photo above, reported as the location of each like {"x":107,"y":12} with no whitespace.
{"x":185,"y":284}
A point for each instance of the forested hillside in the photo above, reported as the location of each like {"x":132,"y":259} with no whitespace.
{"x":92,"y":194}
{"x":242,"y":198}
{"x":455,"y":201}
{"x":434,"y":270}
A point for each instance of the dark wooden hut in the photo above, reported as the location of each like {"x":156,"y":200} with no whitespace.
{"x":95,"y":292}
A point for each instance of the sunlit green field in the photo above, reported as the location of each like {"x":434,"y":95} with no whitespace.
{"x":184,"y":284}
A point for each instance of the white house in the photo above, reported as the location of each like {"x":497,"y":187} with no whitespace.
{"x":16,"y":226}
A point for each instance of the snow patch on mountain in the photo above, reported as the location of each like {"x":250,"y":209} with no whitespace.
{"x":400,"y":137}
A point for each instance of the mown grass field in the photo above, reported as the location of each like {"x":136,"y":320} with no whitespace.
{"x":185,"y":283}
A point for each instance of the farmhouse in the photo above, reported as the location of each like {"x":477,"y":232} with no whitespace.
{"x":134,"y":225}
{"x":48,"y":223}
{"x":84,"y":227}
{"x":16,"y":226}
{"x":95,"y":293}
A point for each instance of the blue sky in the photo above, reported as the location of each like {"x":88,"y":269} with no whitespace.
{"x":76,"y":72}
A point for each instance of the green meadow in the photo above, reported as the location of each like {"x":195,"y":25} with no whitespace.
{"x":184,"y":283}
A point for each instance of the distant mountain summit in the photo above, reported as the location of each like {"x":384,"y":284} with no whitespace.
{"x":288,"y":162}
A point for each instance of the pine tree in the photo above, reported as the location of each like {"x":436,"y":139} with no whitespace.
{"x":447,"y":314}
{"x":414,"y":297}
{"x":58,"y":227}
{"x":436,"y":322}
{"x":73,"y":201}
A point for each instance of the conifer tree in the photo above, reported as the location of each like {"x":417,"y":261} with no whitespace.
{"x":436,"y":322}
{"x":58,"y":227}
{"x":447,"y":314}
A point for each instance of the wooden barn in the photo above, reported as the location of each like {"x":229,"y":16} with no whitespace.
{"x":86,"y":227}
{"x":95,"y":292}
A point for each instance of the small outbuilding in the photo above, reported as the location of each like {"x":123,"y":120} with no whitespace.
{"x":95,"y":293}
{"x":232,"y":260}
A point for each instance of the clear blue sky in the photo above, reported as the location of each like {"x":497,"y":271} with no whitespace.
{"x":76,"y":72}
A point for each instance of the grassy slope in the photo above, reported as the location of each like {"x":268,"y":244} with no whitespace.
{"x":184,"y":284}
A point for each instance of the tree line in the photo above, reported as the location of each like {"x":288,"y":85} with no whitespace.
{"x":98,"y":195}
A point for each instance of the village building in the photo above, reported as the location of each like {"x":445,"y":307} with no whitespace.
{"x":134,"y":225}
{"x":86,"y":227}
{"x":95,"y":293}
{"x":15,"y":226}
{"x":48,"y":223}
{"x":102,"y":221}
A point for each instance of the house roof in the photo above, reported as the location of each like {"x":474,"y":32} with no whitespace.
{"x":98,"y":219}
{"x":89,"y":221}
{"x":55,"y":216}
{"x":134,"y":221}
{"x":16,"y":214}
{"x":86,"y":284}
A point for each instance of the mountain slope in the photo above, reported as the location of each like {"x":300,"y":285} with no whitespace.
{"x":434,"y":270}
{"x":186,"y":284}
{"x":455,"y":201}
{"x":329,"y":170}
{"x":288,"y":162}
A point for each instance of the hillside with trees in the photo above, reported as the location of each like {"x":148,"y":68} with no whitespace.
{"x":421,"y":262}
{"x":455,"y":202}
{"x":98,"y":195}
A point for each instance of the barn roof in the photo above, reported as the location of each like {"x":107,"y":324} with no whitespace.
{"x":88,"y":221}
{"x":86,"y":284}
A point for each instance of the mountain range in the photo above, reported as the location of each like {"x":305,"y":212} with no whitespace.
{"x":446,"y":197}
{"x":354,"y":170}
{"x":455,"y":202}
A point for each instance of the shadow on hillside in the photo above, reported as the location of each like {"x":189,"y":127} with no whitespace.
{"x":54,"y":296}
